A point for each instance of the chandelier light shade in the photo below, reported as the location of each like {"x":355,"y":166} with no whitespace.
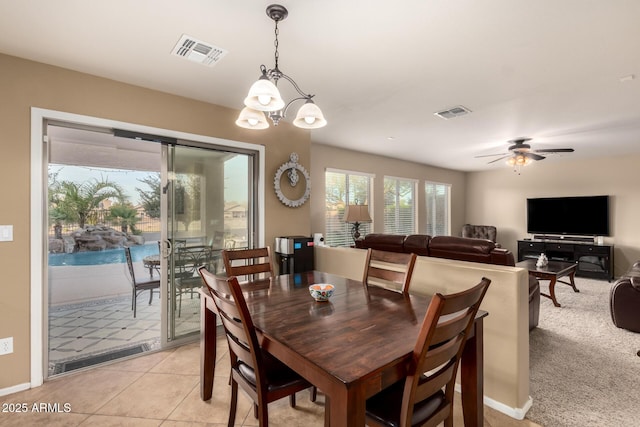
{"x":264,"y":96}
{"x":252,"y":119}
{"x":309,"y":116}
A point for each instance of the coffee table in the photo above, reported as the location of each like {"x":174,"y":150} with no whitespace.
{"x":553,"y":271}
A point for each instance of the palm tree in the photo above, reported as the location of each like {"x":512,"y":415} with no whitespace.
{"x":72,"y":202}
{"x":125,"y":214}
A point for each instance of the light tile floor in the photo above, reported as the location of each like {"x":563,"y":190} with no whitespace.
{"x":162,"y":388}
{"x":94,"y":328}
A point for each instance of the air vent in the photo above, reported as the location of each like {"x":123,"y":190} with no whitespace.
{"x":451,"y":113}
{"x":198,"y":51}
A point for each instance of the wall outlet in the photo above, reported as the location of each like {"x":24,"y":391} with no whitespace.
{"x":6,"y":233}
{"x":6,"y":345}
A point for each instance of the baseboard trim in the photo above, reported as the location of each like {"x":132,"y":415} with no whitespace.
{"x":14,"y":389}
{"x":517,"y":413}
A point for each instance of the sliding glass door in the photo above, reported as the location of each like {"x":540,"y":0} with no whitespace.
{"x":173,"y":204}
{"x":207,"y":195}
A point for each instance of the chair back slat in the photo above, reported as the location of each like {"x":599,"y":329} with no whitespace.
{"x":248,"y":262}
{"x":438,"y":356}
{"x":391,"y":270}
{"x":444,"y":331}
{"x":432,"y":383}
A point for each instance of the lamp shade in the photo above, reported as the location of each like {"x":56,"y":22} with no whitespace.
{"x":357,"y":213}
{"x":264,"y":96}
{"x":309,"y":116}
{"x":252,"y":119}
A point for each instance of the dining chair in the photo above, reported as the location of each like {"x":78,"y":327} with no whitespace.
{"x":137,"y":287}
{"x":263,"y":377}
{"x":248,"y":262}
{"x":390,"y":270}
{"x":187,"y":261}
{"x":425,"y":396}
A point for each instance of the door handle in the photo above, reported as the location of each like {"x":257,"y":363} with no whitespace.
{"x":167,"y":249}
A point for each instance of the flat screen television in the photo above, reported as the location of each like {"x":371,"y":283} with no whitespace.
{"x":574,"y":216}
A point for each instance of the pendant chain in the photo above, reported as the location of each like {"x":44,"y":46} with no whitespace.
{"x":275,"y":43}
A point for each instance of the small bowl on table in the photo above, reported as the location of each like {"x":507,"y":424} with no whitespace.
{"x":321,"y":291}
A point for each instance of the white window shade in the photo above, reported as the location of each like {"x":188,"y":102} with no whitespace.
{"x":399,"y":206}
{"x":344,"y":188}
{"x":438,"y":200}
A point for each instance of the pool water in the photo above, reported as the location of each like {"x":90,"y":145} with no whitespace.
{"x":109,"y":256}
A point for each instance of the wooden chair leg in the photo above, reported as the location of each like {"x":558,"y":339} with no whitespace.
{"x":292,"y":400}
{"x":263,"y":416}
{"x":233,"y":403}
{"x":313,"y":393}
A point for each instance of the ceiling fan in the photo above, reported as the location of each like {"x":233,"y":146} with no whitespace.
{"x":521,"y":154}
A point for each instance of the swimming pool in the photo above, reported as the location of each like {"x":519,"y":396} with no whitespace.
{"x":109,"y":256}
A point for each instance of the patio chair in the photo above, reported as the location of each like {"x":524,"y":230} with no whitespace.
{"x":187,"y":261}
{"x":425,"y":396}
{"x":137,"y":287}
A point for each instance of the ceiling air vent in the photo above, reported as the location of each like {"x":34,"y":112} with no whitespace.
{"x":456,"y":111}
{"x":198,"y":51}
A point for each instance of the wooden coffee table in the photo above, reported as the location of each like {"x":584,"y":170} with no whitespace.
{"x":553,"y":271}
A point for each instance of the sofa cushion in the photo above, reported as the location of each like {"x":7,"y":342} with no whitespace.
{"x":382,"y":242}
{"x":462,"y":244}
{"x":417,"y":243}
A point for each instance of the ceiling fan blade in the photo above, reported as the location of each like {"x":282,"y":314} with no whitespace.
{"x":533,"y":156}
{"x":491,"y":155}
{"x":556,"y":150}
{"x":499,"y":158}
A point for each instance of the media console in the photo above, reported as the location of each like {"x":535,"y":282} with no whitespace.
{"x":595,"y":261}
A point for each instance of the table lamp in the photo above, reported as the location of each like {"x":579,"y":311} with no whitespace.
{"x":357,"y":214}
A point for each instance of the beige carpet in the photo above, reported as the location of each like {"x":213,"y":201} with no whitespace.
{"x":584,"y":370}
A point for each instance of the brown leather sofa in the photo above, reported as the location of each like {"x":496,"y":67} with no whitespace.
{"x":458,"y":248}
{"x":624,"y":300}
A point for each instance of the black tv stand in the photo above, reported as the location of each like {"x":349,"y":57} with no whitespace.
{"x":595,"y":261}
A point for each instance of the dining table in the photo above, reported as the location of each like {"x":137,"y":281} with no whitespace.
{"x":350,"y":347}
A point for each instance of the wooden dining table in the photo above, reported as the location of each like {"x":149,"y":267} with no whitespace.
{"x":350,"y":347}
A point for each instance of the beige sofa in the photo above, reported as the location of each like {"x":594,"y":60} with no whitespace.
{"x":506,"y":329}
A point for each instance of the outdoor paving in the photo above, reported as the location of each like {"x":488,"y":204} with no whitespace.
{"x":81,"y":330}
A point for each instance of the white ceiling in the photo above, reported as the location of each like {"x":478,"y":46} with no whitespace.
{"x":546,"y":69}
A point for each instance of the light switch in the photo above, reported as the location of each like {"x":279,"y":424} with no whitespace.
{"x":6,"y":233}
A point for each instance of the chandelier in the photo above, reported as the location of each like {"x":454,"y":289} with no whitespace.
{"x":264,"y":98}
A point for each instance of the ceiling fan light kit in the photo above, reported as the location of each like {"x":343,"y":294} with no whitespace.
{"x":520,"y":154}
{"x":264,"y":97}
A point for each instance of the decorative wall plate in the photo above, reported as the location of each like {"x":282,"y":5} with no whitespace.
{"x":292,"y":167}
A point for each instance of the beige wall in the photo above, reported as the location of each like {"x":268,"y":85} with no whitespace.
{"x":25,"y":84}
{"x":499,"y":198}
{"x":324,"y":156}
